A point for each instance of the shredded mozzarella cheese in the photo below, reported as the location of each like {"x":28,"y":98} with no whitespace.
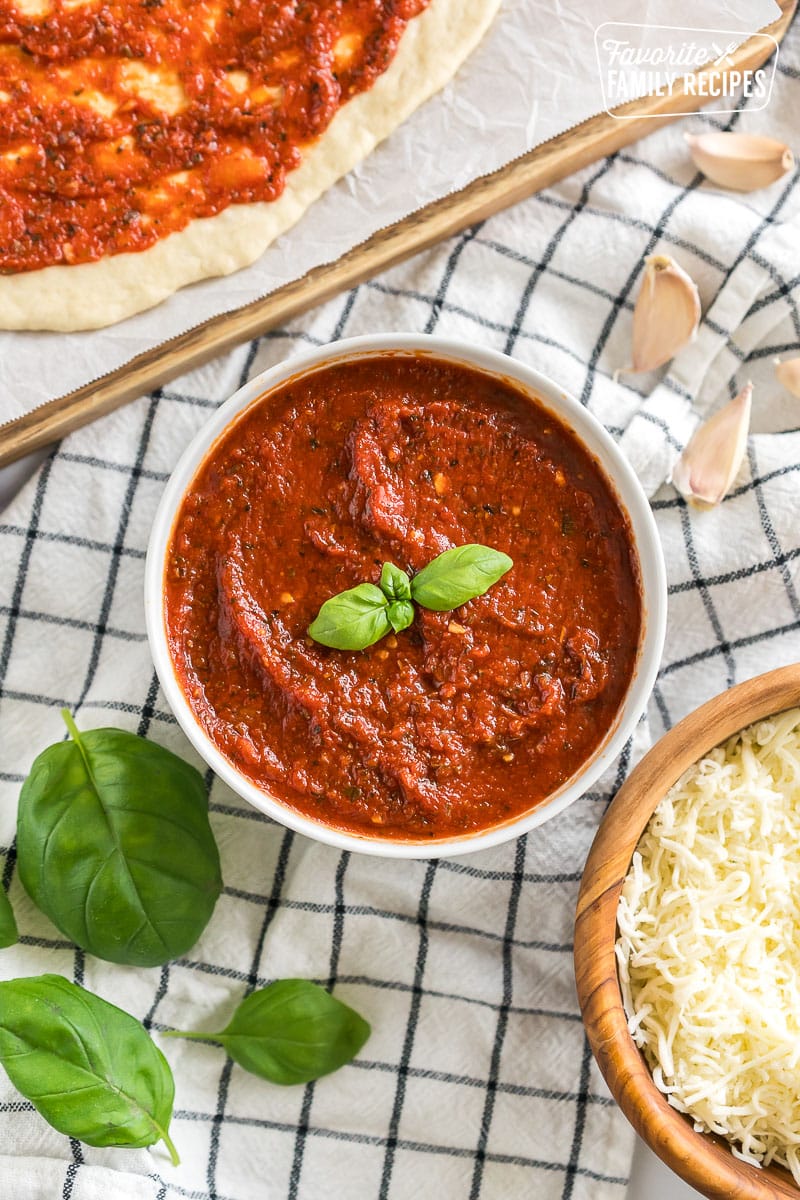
{"x":708,"y":946}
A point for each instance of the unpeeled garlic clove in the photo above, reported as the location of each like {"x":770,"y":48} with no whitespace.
{"x":742,"y":162}
{"x":666,"y":314}
{"x":788,"y":373}
{"x":709,"y":464}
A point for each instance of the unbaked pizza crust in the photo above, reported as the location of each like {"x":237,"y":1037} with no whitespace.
{"x":91,"y":295}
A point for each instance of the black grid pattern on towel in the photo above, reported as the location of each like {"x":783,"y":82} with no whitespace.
{"x":477,"y":1081}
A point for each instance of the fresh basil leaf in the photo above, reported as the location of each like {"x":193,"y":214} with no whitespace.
{"x":352,"y":620}
{"x":290,"y":1032}
{"x":115,"y":846}
{"x":458,"y":575}
{"x":89,"y":1068}
{"x":395,"y":584}
{"x":8,"y":925}
{"x":400,"y":614}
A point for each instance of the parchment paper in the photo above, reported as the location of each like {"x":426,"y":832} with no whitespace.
{"x":534,"y":75}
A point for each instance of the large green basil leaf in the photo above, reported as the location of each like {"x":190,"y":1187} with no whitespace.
{"x":352,"y":620}
{"x":89,"y":1068}
{"x":458,"y":575}
{"x":8,"y":925}
{"x":291,"y":1032}
{"x":115,"y":846}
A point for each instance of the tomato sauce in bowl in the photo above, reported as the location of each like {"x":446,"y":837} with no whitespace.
{"x":466,"y":720}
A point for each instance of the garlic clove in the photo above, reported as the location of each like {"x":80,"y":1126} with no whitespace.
{"x":666,"y":314}
{"x":788,"y":373}
{"x":708,"y":466}
{"x":742,"y":162}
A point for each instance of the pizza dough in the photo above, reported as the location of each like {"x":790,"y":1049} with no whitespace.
{"x":93,"y":294}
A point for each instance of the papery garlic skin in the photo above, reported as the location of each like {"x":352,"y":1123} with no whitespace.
{"x":666,"y":314}
{"x":742,"y":162}
{"x":788,"y":373}
{"x":705,"y":471}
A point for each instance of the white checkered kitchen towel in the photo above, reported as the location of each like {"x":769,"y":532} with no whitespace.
{"x":477,"y":1081}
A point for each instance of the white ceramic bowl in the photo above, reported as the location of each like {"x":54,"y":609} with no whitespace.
{"x":593,"y":437}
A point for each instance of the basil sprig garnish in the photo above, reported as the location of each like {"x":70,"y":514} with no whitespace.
{"x":361,"y":616}
{"x":89,"y":1068}
{"x":292,"y":1031}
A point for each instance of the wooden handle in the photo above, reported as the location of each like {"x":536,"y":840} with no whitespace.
{"x":703,"y":1161}
{"x":553,"y":160}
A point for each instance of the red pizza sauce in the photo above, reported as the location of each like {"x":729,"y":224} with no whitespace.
{"x":467,"y":718}
{"x":122,"y":120}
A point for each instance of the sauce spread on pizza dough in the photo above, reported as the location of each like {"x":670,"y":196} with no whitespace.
{"x":467,"y":718}
{"x":122,"y":121}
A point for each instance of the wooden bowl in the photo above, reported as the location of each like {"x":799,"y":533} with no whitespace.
{"x":703,"y":1160}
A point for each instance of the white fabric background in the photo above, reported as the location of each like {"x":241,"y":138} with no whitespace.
{"x":477,"y":1081}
